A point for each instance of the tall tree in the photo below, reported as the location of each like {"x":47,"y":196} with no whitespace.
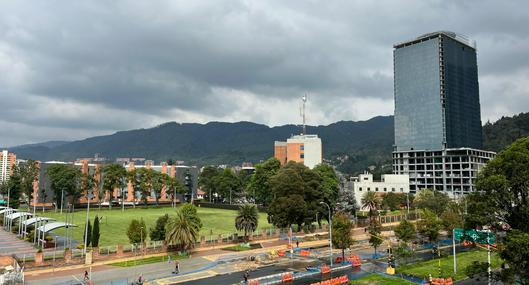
{"x":174,"y":186}
{"x":229,"y":185}
{"x":341,"y":232}
{"x":346,"y":202}
{"x":259,"y":185}
{"x":95,"y":232}
{"x":14,"y":189}
{"x":114,"y":178}
{"x":515,"y":252}
{"x":143,"y":183}
{"x":87,"y":237}
{"x":247,"y":219}
{"x":375,"y":233}
{"x":65,"y":178}
{"x":206,"y":181}
{"x":392,"y":201}
{"x":158,"y":182}
{"x":330,"y":184}
{"x":28,"y":172}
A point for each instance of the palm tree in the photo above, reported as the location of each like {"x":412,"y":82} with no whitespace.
{"x":372,"y":202}
{"x":181,"y":231}
{"x":247,"y":219}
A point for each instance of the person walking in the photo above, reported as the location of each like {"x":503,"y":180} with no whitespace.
{"x":176,"y":267}
{"x":297,"y":243}
{"x":246,"y":274}
{"x":86,"y":277}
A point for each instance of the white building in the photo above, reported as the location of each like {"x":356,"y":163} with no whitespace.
{"x":306,"y":149}
{"x":389,"y":183}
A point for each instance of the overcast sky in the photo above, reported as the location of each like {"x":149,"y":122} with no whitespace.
{"x":74,"y":69}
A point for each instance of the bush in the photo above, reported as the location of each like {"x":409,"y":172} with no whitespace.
{"x":158,"y":231}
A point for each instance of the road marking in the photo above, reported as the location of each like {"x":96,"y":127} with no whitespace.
{"x":184,"y":278}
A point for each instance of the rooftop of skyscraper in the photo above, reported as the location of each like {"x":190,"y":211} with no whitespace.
{"x":455,"y":36}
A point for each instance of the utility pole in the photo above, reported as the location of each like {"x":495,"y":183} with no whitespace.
{"x":330,"y":229}
{"x":304,"y":100}
{"x":454,"y":250}
{"x":489,"y":271}
{"x":88,"y":197}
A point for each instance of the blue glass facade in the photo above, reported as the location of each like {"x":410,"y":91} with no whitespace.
{"x":436,"y":94}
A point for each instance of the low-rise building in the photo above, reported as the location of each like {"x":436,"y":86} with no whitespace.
{"x":389,"y":183}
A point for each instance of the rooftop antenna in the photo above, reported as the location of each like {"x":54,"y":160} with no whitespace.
{"x":304,"y":100}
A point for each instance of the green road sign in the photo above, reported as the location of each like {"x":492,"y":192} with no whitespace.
{"x":474,"y":236}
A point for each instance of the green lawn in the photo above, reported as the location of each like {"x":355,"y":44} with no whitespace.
{"x":115,"y":222}
{"x":464,"y":259}
{"x":376,"y":279}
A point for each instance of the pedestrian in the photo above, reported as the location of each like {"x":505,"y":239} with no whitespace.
{"x":246,"y":277}
{"x":176,"y":267}
{"x":297,"y":243}
{"x":86,"y":275}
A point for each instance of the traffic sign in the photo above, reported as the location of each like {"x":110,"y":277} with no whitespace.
{"x":474,"y":236}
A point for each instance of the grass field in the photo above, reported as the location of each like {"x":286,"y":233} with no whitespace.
{"x":115,"y":222}
{"x":464,"y":259}
{"x":376,"y":279}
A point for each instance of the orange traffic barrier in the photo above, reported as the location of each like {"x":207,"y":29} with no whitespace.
{"x":304,"y":252}
{"x":280,"y":253}
{"x":325,"y":269}
{"x":326,"y":282}
{"x":338,"y":259}
{"x":355,"y":260}
{"x":253,"y":282}
{"x":344,"y":279}
{"x":287,"y":277}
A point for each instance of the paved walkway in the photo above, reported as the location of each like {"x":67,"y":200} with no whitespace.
{"x":10,"y":244}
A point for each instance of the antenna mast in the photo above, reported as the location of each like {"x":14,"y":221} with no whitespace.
{"x":304,"y":99}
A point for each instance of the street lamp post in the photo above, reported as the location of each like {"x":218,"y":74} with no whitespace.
{"x":88,"y":197}
{"x":141,"y":241}
{"x":330,"y":228}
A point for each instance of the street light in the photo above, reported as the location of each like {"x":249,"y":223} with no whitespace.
{"x":330,"y":227}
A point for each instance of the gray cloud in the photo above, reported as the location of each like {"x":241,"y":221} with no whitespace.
{"x":81,"y":68}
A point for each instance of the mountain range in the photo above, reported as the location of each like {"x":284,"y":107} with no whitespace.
{"x":352,"y":146}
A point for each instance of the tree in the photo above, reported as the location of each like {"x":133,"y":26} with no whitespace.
{"x":372,"y":202}
{"x":451,"y":219}
{"x":375,"y":236}
{"x":392,"y":201}
{"x":88,"y":234}
{"x":434,"y":201}
{"x":346,"y":202}
{"x":247,"y":219}
{"x":95,"y":233}
{"x":114,"y":178}
{"x":65,"y":178}
{"x":14,"y":189}
{"x":190,"y":213}
{"x":341,"y":232}
{"x":137,"y":231}
{"x":330,"y":184}
{"x":228,"y":184}
{"x":206,"y":181}
{"x":158,"y":231}
{"x":429,"y":225}
{"x":174,"y":186}
{"x":478,"y":211}
{"x":157,"y":183}
{"x":297,"y":195}
{"x":183,"y":229}
{"x":28,"y":172}
{"x":405,"y":231}
{"x":515,"y":252}
{"x":259,"y":183}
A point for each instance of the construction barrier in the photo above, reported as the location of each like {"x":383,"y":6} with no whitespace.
{"x":253,"y":282}
{"x":325,"y":269}
{"x":355,"y":260}
{"x":334,"y":281}
{"x":441,"y":281}
{"x":281,"y":253}
{"x":287,"y":277}
{"x":304,"y":252}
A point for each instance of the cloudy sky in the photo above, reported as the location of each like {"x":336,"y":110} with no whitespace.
{"x":74,"y":69}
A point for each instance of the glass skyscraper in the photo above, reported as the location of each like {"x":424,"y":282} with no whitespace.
{"x":436,"y":93}
{"x":438,"y":136}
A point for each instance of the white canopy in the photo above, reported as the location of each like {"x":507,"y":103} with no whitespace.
{"x":7,"y":210}
{"x":17,"y":215}
{"x":31,"y":221}
{"x":53,"y":226}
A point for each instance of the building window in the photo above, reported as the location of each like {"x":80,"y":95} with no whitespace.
{"x":368,"y":189}
{"x":302,"y":155}
{"x":401,"y":190}
{"x":385,"y":190}
{"x":365,"y":178}
{"x":392,"y":189}
{"x":302,"y":147}
{"x":360,"y":189}
{"x":376,"y":189}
